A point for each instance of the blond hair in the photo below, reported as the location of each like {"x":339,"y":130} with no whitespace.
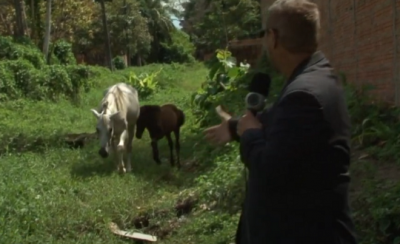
{"x":297,"y":23}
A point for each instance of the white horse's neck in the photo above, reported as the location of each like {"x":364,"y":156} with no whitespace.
{"x":116,"y":101}
{"x":111,"y":105}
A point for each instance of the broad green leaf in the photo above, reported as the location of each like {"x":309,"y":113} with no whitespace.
{"x":233,"y":72}
{"x":230,"y":62}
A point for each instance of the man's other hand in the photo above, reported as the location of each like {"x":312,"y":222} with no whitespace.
{"x":219,"y":134}
{"x":248,"y":121}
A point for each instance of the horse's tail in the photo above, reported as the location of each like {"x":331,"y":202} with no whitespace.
{"x":181,"y":118}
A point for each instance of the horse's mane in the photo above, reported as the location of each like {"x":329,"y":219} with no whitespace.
{"x":120,"y":100}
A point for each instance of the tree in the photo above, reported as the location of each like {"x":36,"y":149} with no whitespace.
{"x":20,"y":18}
{"x":211,"y":24}
{"x":47,"y":35}
{"x":160,"y":25}
{"x":129,"y":33}
{"x":7,"y":20}
{"x":35,"y":20}
{"x":106,"y":33}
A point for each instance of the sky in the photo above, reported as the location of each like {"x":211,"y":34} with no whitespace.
{"x":176,"y":22}
{"x":178,"y":6}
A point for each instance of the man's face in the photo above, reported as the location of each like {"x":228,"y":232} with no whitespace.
{"x":270,"y":46}
{"x":270,"y":43}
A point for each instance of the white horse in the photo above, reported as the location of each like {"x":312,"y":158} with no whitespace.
{"x":116,"y":121}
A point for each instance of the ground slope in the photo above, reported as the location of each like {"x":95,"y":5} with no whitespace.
{"x":61,"y":195}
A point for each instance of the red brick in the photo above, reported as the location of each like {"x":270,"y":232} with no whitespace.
{"x":360,"y":40}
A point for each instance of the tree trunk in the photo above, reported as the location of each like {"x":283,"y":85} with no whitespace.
{"x":20,"y":20}
{"x":32,"y":17}
{"x":8,"y":27}
{"x":24,"y":19}
{"x":38,"y":23}
{"x":46,"y":42}
{"x":128,"y":53}
{"x":107,"y":35}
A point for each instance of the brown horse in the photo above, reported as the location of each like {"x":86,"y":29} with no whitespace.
{"x":161,"y":121}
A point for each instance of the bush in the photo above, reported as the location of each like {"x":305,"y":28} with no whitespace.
{"x":226,"y":84}
{"x":62,"y":50}
{"x":23,"y":73}
{"x":119,"y":63}
{"x":180,"y":49}
{"x":12,"y":51}
{"x":145,"y":83}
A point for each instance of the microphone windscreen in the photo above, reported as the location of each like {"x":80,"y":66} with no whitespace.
{"x":260,"y":83}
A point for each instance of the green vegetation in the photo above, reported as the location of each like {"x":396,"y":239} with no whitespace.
{"x":24,"y":73}
{"x":52,"y":193}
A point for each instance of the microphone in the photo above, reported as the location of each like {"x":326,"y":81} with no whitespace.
{"x":258,"y":92}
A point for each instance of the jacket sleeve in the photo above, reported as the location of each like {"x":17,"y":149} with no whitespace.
{"x":297,"y":129}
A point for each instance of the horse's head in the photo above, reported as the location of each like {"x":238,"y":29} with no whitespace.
{"x":109,"y":127}
{"x":140,"y":126}
{"x":146,"y":119}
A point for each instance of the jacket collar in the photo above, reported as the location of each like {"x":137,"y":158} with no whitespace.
{"x":315,"y":58}
{"x":312,"y":60}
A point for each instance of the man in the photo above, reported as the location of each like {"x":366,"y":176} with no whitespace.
{"x":297,"y":153}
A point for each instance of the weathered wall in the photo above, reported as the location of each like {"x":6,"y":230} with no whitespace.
{"x":248,"y":50}
{"x":361,"y":38}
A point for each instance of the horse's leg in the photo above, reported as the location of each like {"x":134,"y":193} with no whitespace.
{"x":121,"y":161}
{"x":171,"y":147}
{"x":116,"y":157}
{"x":155,"y":151}
{"x":177,"y":147}
{"x":131,"y":134}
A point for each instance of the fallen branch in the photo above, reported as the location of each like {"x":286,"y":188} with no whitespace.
{"x":134,"y":235}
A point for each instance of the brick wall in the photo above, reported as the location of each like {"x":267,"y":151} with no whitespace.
{"x":248,"y":50}
{"x":361,"y":38}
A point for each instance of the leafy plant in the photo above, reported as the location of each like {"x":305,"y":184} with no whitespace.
{"x":145,"y":83}
{"x":224,"y":75}
{"x":180,"y":49}
{"x":119,"y":62}
{"x":62,"y":50}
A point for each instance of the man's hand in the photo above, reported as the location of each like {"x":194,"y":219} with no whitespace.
{"x":219,"y":134}
{"x":248,"y":121}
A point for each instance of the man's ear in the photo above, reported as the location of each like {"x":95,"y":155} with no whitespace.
{"x":95,"y":113}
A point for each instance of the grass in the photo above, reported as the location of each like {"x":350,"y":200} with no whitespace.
{"x":53,"y":194}
{"x":50,"y":193}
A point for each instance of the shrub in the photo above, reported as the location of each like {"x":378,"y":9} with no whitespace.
{"x":180,"y":49}
{"x":119,"y":63}
{"x":23,"y":73}
{"x":145,"y":83}
{"x":62,"y":51}
{"x":226,"y":84}
{"x":12,"y":51}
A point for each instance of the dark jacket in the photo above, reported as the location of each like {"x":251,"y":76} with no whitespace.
{"x":297,"y":188}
